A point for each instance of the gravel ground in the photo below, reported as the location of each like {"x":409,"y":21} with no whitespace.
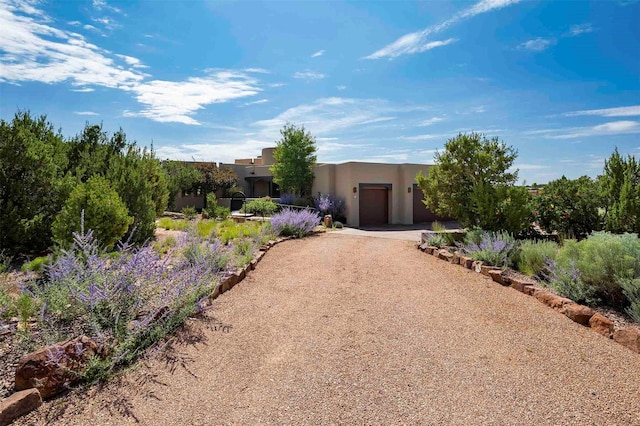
{"x":339,"y":329}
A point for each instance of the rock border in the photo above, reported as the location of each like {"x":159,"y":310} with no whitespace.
{"x":628,"y":337}
{"x":31,"y":391}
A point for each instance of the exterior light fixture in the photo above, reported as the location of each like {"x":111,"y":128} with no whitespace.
{"x":355,"y":189}
{"x":409,"y":190}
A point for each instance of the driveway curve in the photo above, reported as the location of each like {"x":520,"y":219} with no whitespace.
{"x":340,"y":329}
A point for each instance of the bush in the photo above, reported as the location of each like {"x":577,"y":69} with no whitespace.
{"x":605,"y":261}
{"x":303,"y":202}
{"x":287,"y":199}
{"x":262,"y":206}
{"x":37,"y":264}
{"x":631,"y":289}
{"x":213,"y":210}
{"x":338,"y":225}
{"x":5,"y":261}
{"x":329,"y":204}
{"x":204,"y":228}
{"x":495,"y":249}
{"x":569,"y":207}
{"x":172,"y":224}
{"x":93,"y":205}
{"x":189,"y":212}
{"x":533,"y":256}
{"x":568,"y":282}
{"x":296,"y":223}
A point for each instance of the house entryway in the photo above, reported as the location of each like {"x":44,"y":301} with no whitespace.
{"x":374,"y":205}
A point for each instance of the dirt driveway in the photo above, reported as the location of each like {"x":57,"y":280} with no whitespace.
{"x":339,"y":329}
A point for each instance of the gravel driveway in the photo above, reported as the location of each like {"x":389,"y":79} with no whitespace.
{"x":339,"y":329}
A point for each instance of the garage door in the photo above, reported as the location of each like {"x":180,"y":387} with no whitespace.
{"x":420,"y":211}
{"x":374,"y":206}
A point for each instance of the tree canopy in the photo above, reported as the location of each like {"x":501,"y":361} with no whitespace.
{"x":295,"y":156}
{"x":472,"y":182}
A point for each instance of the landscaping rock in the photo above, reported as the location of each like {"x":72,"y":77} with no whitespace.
{"x":445,"y":255}
{"x":496,"y":275}
{"x":477,"y":266}
{"x":578,"y":313}
{"x":466,"y":261}
{"x":485,"y":269}
{"x":550,"y":299}
{"x":52,"y":368}
{"x":423,"y":246}
{"x":601,"y":324}
{"x":529,"y":290}
{"x":328,"y":221}
{"x":19,"y":404}
{"x":628,"y":337}
{"x":456,"y":258}
{"x":521,"y":285}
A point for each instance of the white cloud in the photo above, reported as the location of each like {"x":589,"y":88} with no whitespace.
{"x":537,"y":44}
{"x":341,"y":87}
{"x":426,"y":137}
{"x":171,"y":101}
{"x":74,"y":23}
{"x":258,"y":102}
{"x":431,"y":121}
{"x":308,"y":75}
{"x":525,"y":166}
{"x":576,"y":30}
{"x":318,"y":54}
{"x":33,"y":50}
{"x":417,"y":42}
{"x":108,"y":23}
{"x":85,"y":113}
{"x":256,"y":70}
{"x":103,"y":5}
{"x":219,"y":152}
{"x":626,"y":111}
{"x":83,"y":90}
{"x":611,"y":128}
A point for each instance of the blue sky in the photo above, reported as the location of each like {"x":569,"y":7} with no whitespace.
{"x":386,"y":81}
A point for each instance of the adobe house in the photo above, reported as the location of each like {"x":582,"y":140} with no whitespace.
{"x":374,"y":193}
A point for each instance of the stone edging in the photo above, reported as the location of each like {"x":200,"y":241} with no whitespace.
{"x":628,"y":337}
{"x":30,"y":391}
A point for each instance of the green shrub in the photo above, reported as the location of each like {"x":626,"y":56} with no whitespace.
{"x":606,"y":262}
{"x":262,"y":206}
{"x":172,"y":224}
{"x":533,"y":256}
{"x":568,"y":282}
{"x":164,"y":245}
{"x":631,"y":289}
{"x":494,"y":248}
{"x":189,"y":212}
{"x":37,"y":264}
{"x":204,"y":228}
{"x":5,"y":261}
{"x":99,"y":206}
{"x":25,"y":307}
{"x":303,"y":202}
{"x":213,"y":210}
{"x":338,"y":225}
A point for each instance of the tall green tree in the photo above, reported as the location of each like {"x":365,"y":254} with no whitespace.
{"x":214,"y":178}
{"x":472,"y":182}
{"x":295,"y":156}
{"x":620,"y":186}
{"x":569,"y":206}
{"x":33,"y":182}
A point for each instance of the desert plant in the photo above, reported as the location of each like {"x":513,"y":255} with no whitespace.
{"x":568,"y":282}
{"x":297,"y":223}
{"x":189,"y":212}
{"x":287,"y":199}
{"x":330,"y":204}
{"x":172,"y":224}
{"x":36,"y":265}
{"x":533,"y":256}
{"x":262,"y":206}
{"x":25,"y":307}
{"x":338,"y":225}
{"x":94,"y":205}
{"x":494,"y":248}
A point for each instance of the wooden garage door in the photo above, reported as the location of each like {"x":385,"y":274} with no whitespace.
{"x":374,"y":206}
{"x":420,"y":211}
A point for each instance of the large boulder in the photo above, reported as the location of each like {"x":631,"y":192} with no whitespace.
{"x":53,"y":368}
{"x":552,"y":300}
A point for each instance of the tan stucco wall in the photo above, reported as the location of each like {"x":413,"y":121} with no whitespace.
{"x":340,"y":179}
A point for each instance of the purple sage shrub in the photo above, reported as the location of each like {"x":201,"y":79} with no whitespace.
{"x":287,"y":199}
{"x":294,"y":222}
{"x":492,"y":248}
{"x":567,"y":282}
{"x":330,"y":204}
